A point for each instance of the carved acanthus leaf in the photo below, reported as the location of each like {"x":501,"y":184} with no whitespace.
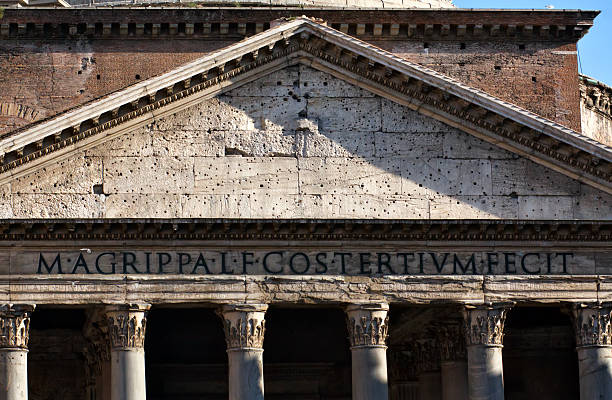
{"x":484,"y":325}
{"x":244,"y":326}
{"x":15,"y":326}
{"x":593,"y":325}
{"x":127,"y":326}
{"x":368,"y":324}
{"x":451,"y":341}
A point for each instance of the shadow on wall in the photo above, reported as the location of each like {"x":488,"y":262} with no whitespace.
{"x":303,"y":143}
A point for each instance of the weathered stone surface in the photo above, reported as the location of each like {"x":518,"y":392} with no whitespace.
{"x":357,"y":114}
{"x":299,"y":149}
{"x":148,"y":175}
{"x":473,"y":207}
{"x":49,"y":205}
{"x":398,"y":118}
{"x":126,"y":205}
{"x":524,"y":177}
{"x":238,"y":174}
{"x":6,"y":201}
{"x":74,"y":175}
{"x":546,"y":207}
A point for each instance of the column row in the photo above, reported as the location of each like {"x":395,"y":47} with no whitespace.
{"x":470,"y":369}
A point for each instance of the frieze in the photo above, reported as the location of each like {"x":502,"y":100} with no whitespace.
{"x":15,"y":326}
{"x":593,"y":325}
{"x":484,"y":324}
{"x":127,"y":326}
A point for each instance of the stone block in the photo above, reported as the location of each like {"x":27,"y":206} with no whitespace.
{"x":458,"y":144}
{"x":6,"y":201}
{"x":603,"y":263}
{"x":343,"y":143}
{"x":524,"y":177}
{"x":399,"y":118}
{"x":259,"y":143}
{"x":73,"y":175}
{"x":371,"y":206}
{"x":264,"y":113}
{"x":138,"y":205}
{"x":240,"y":205}
{"x":184,"y":143}
{"x":446,"y":177}
{"x":63,"y":205}
{"x":550,"y":289}
{"x":238,"y":174}
{"x":546,"y":207}
{"x":349,"y":176}
{"x":282,"y":83}
{"x":137,"y":143}
{"x":315,"y":83}
{"x":148,"y":175}
{"x":215,"y":113}
{"x":474,"y":207}
{"x":409,"y":144}
{"x":592,"y":203}
{"x":342,"y":114}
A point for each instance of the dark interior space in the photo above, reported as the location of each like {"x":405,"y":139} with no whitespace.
{"x":56,"y":365}
{"x":539,"y":354}
{"x":307,"y":354}
{"x":185,"y":355}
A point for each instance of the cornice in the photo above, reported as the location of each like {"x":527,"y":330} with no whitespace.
{"x":303,"y":40}
{"x":596,"y":96}
{"x":296,"y":230}
{"x":202,"y":22}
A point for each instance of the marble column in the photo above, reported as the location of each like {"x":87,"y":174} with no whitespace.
{"x":453,"y":361}
{"x":126,"y":330}
{"x":245,"y":327}
{"x":428,"y":366}
{"x":14,"y":336}
{"x":368,"y":329}
{"x":484,"y":331}
{"x":594,"y":346}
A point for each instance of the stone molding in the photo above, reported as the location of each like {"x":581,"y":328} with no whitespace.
{"x":15,"y":325}
{"x":450,"y":101}
{"x":285,"y":229}
{"x":593,"y":324}
{"x":127,"y":326}
{"x":451,"y":341}
{"x":368,"y":324}
{"x":484,"y":324}
{"x":236,"y":22}
{"x":596,"y":95}
{"x":244,"y":325}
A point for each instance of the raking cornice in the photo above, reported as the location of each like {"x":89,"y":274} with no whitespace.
{"x":303,"y":40}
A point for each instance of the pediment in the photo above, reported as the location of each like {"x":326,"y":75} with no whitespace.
{"x":305,"y":42}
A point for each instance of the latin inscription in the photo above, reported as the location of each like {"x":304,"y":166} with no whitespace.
{"x":295,"y":262}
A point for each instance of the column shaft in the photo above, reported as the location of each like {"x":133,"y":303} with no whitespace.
{"x":593,"y":328}
{"x":368,"y":327}
{"x":454,"y":380}
{"x":13,"y":374}
{"x":14,"y":337}
{"x":244,"y":334}
{"x":484,"y":331}
{"x":126,"y":326}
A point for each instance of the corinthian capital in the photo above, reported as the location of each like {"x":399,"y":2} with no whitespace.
{"x":484,"y":324}
{"x":15,"y":325}
{"x":368,"y":324}
{"x":127,"y":325}
{"x":451,"y":341}
{"x":244,"y":325}
{"x":592,"y":324}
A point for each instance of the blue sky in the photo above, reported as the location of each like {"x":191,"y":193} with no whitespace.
{"x":595,"y":48}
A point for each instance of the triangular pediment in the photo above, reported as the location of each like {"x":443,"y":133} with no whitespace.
{"x":303,"y":41}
